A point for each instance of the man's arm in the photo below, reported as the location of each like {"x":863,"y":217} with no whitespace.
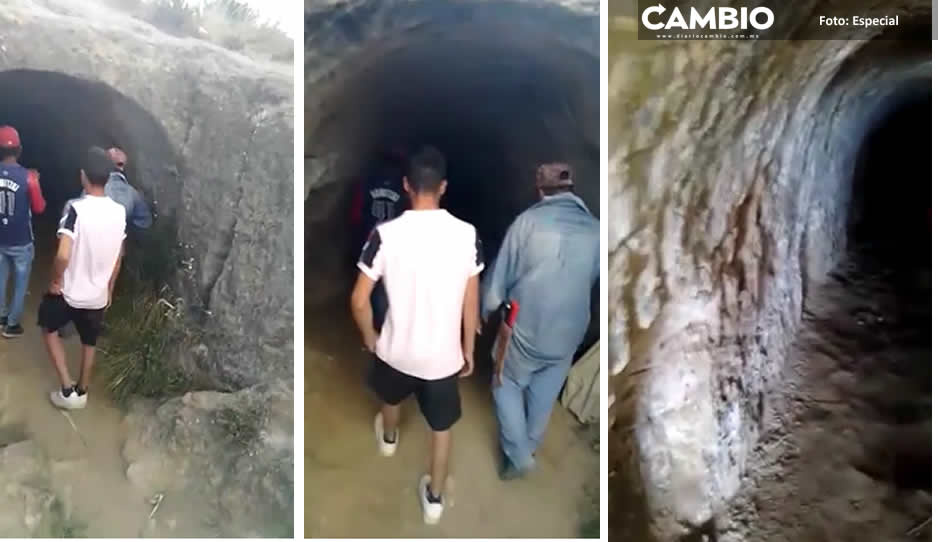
{"x":141,"y":217}
{"x":497,"y":281}
{"x":358,"y":201}
{"x":66,"y":233}
{"x":37,"y":203}
{"x":470,"y":323}
{"x":371,"y":265}
{"x":114,"y":273}
{"x":62,"y":257}
{"x":362,"y":311}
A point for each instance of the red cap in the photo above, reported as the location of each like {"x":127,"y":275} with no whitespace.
{"x":9,"y":137}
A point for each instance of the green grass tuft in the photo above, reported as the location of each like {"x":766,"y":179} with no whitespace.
{"x":145,"y":328}
{"x":589,"y":527}
{"x":241,"y":426}
{"x":138,"y":352}
{"x":62,"y":527}
{"x":590,"y":521}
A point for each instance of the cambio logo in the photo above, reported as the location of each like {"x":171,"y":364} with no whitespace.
{"x":724,"y":18}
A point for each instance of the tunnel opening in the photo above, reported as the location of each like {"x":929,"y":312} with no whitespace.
{"x":59,"y":117}
{"x":496,"y":100}
{"x":890,"y":238}
{"x":498,"y":87}
{"x":890,"y":214}
{"x":853,"y":407}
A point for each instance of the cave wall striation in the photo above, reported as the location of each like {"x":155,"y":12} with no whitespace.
{"x":729,"y":187}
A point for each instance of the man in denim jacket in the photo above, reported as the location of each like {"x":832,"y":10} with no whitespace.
{"x":548,"y":264}
{"x":119,"y":190}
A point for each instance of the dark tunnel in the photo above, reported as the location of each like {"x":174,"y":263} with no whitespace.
{"x":889,"y":236}
{"x":496,"y":108}
{"x":892,"y":182}
{"x":59,"y":117}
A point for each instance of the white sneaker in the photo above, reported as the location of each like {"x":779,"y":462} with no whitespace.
{"x":432,"y":511}
{"x":72,"y":402}
{"x":386,"y":449}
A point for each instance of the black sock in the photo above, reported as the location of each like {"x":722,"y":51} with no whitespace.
{"x":390,"y":441}
{"x":435,"y":499}
{"x":66,"y":392}
{"x":80,"y":391}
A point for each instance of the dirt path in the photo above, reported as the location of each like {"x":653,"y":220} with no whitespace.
{"x":353,"y":492}
{"x":87,"y":471}
{"x":847,"y":454}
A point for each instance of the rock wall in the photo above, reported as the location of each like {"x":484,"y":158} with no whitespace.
{"x":29,"y":506}
{"x":210,"y":134}
{"x":345,"y":40}
{"x":233,"y":449}
{"x":729,"y":189}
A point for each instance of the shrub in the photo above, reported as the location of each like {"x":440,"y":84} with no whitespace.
{"x":145,"y":327}
{"x":144,"y":334}
{"x":231,"y":24}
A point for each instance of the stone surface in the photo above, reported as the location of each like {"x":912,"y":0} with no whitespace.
{"x":210,"y":135}
{"x":729,"y":185}
{"x":28,"y":507}
{"x":236,"y":449}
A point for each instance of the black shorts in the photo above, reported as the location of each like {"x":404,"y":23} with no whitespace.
{"x":438,"y":399}
{"x":55,"y":313}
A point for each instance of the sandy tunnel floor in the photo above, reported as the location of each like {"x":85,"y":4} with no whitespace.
{"x":351,"y":491}
{"x":87,"y":469}
{"x":847,"y":448}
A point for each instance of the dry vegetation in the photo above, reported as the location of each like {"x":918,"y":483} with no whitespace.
{"x":145,"y":327}
{"x":228,"y":23}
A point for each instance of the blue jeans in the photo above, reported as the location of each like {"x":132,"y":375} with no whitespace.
{"x":379,"y":305}
{"x":21,"y":260}
{"x":523,"y":403}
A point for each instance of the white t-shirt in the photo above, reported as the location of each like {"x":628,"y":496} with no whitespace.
{"x":96,"y":225}
{"x":425,"y":259}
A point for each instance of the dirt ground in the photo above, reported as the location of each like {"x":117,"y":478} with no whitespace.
{"x":846,"y":456}
{"x":87,"y":471}
{"x":351,"y":491}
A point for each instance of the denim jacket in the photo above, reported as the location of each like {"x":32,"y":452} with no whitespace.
{"x":119,"y":190}
{"x":548,"y":263}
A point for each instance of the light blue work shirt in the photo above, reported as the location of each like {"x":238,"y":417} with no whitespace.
{"x":548,"y":263}
{"x":119,"y":190}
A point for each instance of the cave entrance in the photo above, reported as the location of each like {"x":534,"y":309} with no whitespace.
{"x":890,"y":238}
{"x":889,"y":232}
{"x":59,"y":117}
{"x":497,"y":99}
{"x":892,"y":183}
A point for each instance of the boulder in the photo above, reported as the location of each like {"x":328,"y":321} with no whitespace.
{"x":210,"y":138}
{"x":235,"y":449}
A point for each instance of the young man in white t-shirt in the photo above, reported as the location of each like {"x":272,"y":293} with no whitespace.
{"x":91,"y":239}
{"x":430,"y":262}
